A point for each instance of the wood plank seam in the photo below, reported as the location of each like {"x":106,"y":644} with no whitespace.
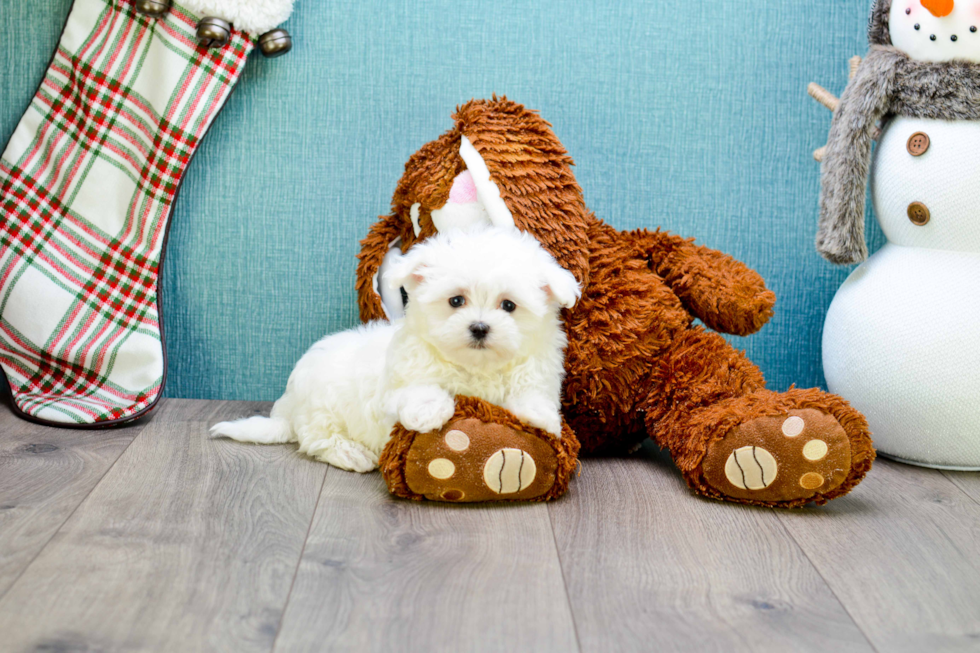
{"x":564,"y":581}
{"x":827,"y":583}
{"x":953,"y":481}
{"x":185,"y":545}
{"x":73,"y":511}
{"x":299,"y":560}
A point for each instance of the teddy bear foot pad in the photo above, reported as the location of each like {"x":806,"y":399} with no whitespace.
{"x":790,"y":457}
{"x":470,"y":460}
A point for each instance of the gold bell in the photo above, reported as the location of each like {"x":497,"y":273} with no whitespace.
{"x":275,"y":43}
{"x":153,"y":8}
{"x":213,"y":32}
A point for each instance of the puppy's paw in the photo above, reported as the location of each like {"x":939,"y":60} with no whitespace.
{"x":427,"y":416}
{"x":538,"y":412}
{"x":345,"y":454}
{"x":221,"y":430}
{"x":426,"y":409}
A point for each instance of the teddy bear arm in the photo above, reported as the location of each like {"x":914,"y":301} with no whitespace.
{"x":373,"y":249}
{"x":725,"y":294}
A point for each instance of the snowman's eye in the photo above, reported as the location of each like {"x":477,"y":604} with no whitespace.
{"x":908,"y":11}
{"x":954,"y":38}
{"x":932,"y":37}
{"x":974,"y":29}
{"x":917,"y":27}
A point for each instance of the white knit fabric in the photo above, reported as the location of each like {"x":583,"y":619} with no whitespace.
{"x":946,"y":179}
{"x":902,"y":344}
{"x":253,"y":16}
{"x":902,"y":337}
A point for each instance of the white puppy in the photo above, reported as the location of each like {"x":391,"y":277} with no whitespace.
{"x":482,"y":320}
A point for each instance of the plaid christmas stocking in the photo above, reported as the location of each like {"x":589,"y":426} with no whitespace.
{"x":87,"y":182}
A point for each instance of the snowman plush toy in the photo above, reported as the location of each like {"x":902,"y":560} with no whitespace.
{"x":902,"y":336}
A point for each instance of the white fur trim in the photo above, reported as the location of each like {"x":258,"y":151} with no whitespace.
{"x":487,"y":191}
{"x":253,"y":16}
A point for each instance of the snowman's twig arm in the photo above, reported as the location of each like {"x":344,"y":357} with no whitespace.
{"x":865,"y":101}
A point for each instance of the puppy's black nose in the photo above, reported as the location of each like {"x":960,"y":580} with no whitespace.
{"x":479,"y":330}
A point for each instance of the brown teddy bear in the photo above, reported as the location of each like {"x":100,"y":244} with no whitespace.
{"x":636,"y":364}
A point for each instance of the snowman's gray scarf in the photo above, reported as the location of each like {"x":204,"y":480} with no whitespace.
{"x":887,"y":83}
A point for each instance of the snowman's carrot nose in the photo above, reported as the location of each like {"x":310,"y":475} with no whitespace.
{"x":938,"y":8}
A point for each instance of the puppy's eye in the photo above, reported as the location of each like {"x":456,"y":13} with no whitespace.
{"x":508,"y":306}
{"x":457,"y":301}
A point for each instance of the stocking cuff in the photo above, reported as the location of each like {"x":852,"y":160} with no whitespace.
{"x":253,"y":16}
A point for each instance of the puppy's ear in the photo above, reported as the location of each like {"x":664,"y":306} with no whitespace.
{"x":407,"y":272}
{"x":560,"y":285}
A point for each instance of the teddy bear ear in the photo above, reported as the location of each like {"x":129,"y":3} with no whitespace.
{"x":528,"y":175}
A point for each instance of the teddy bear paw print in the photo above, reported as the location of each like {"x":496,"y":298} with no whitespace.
{"x":471,"y":460}
{"x":780,"y":458}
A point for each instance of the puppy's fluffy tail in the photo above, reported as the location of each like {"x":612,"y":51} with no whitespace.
{"x":260,"y":430}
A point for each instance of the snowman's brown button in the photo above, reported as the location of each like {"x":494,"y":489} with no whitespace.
{"x":918,"y":143}
{"x":919,"y":213}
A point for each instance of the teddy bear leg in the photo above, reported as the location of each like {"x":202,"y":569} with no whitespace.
{"x":482,"y":454}
{"x":736,"y":441}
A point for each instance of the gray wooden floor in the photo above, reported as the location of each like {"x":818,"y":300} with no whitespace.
{"x":155,"y":538}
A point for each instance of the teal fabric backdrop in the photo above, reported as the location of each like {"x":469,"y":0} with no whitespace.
{"x":688,"y":115}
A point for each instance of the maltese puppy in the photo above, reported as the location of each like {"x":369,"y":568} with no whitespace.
{"x":481,"y":319}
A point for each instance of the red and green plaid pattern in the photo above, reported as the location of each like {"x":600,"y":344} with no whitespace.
{"x":86,"y":187}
